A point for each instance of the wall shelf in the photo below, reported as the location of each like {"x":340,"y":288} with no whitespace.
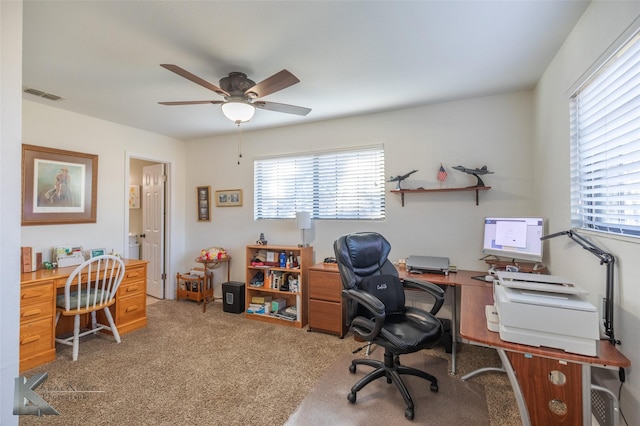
{"x":413,"y":191}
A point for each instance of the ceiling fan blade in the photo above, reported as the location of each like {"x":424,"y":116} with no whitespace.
{"x":289,"y":109}
{"x":190,"y":102}
{"x":272,"y":84}
{"x":194,"y":78}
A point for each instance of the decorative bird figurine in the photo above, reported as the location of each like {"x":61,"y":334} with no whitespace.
{"x":476,"y":172}
{"x":399,"y":179}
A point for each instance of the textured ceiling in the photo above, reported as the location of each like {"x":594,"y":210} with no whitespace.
{"x":352,"y":57}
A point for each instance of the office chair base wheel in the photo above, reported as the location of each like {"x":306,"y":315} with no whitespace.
{"x":352,"y":397}
{"x":434,"y":387}
{"x":352,"y":369}
{"x":408,"y":413}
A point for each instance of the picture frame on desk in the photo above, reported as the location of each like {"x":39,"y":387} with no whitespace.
{"x":58,"y":186}
{"x":97,"y":252}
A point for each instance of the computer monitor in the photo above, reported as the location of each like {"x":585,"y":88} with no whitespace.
{"x":514,"y":237}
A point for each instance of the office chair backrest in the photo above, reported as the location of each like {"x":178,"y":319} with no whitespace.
{"x":360,"y":255}
{"x":388,"y":289}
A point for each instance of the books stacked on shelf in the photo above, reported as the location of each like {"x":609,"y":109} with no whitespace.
{"x":256,"y":308}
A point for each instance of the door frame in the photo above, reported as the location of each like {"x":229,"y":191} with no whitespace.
{"x":168,"y":291}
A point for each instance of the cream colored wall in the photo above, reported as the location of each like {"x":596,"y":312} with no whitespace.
{"x":10,"y":127}
{"x":496,"y":131}
{"x":113,"y":143}
{"x":600,"y":26}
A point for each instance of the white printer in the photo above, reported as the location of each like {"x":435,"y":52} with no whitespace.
{"x":545,"y":310}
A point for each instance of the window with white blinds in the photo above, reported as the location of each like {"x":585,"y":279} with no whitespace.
{"x":605,"y":147}
{"x":347,"y":184}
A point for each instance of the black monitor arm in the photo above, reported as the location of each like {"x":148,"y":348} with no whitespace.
{"x":605,"y":259}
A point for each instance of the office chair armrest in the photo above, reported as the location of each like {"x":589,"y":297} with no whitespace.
{"x":367,"y":329}
{"x":434,"y":290}
{"x":372,"y":303}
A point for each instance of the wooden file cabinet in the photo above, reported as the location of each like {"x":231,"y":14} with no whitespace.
{"x":326,"y":310}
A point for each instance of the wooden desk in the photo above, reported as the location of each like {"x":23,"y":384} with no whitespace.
{"x":454,"y":280}
{"x":38,"y":291}
{"x":529,"y":367}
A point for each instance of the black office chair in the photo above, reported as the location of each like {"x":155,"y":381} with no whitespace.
{"x":377,"y":313}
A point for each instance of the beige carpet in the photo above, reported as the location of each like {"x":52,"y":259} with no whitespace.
{"x":380,"y":403}
{"x":215,"y":368}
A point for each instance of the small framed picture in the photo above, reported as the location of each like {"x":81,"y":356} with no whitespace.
{"x":204,"y":203}
{"x":97,"y":252}
{"x":229,"y":198}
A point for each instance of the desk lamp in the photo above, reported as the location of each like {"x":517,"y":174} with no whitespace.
{"x":303,"y":220}
{"x":605,"y":259}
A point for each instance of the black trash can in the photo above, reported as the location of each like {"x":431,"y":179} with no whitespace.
{"x":233,"y":297}
{"x":447,"y":338}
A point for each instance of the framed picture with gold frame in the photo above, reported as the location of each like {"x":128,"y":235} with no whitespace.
{"x":229,"y":198}
{"x":204,"y":203}
{"x":58,"y":186}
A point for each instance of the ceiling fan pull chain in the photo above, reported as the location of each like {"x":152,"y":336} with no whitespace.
{"x":239,"y":143}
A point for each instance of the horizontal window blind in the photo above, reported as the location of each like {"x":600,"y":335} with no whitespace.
{"x":345,"y":184}
{"x":605,"y":141}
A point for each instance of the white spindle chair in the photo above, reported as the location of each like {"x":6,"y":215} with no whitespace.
{"x":91,"y":287}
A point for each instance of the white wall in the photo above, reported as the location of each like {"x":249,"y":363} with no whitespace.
{"x":600,"y":26}
{"x":113,"y":143}
{"x":496,"y":131}
{"x":10,"y":123}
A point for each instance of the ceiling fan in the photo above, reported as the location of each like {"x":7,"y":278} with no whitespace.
{"x":241,"y":95}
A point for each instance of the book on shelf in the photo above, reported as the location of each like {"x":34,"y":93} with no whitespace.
{"x":261,"y":300}
{"x":286,"y":316}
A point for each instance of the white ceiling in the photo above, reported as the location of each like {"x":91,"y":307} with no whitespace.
{"x":352,"y":57}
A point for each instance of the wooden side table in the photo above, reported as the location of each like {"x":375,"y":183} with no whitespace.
{"x":193,"y":287}
{"x":209,"y":266}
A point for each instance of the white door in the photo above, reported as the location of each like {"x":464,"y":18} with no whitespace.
{"x":153,"y":179}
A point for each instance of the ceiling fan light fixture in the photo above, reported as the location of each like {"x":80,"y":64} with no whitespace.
{"x":238,"y":112}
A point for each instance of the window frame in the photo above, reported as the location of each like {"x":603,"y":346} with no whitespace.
{"x":323,"y":184}
{"x":605,"y":195}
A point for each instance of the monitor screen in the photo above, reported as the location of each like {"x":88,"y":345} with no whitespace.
{"x":514,"y":237}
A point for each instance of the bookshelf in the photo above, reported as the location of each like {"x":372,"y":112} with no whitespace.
{"x":267,"y":282}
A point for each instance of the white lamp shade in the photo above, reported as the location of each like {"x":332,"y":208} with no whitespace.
{"x":303,"y":219}
{"x":238,"y":111}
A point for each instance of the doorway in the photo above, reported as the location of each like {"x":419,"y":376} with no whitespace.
{"x":147,"y":223}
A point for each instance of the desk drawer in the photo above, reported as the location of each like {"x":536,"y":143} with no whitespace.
{"x":134,"y":273}
{"x":131,"y":288}
{"x":36,"y":294}
{"x":325,"y":286}
{"x":129,"y":309}
{"x":36,"y":337}
{"x":326,"y":316}
{"x":33,"y":311}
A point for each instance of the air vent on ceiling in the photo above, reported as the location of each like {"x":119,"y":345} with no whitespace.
{"x":42,"y":94}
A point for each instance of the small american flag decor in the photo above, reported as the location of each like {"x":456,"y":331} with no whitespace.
{"x":442,"y":174}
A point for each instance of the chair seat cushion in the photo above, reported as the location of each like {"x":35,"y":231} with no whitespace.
{"x":74,"y":299}
{"x":409,"y":332}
